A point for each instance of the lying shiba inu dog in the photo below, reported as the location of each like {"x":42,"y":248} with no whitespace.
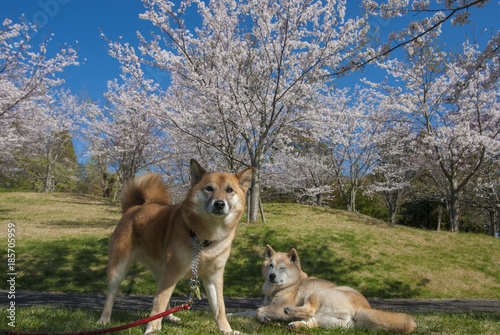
{"x":312,"y":302}
{"x":158,"y":235}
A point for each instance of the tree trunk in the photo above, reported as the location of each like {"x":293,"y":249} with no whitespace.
{"x":496,"y":229}
{"x":48,"y":178}
{"x":319,"y":199}
{"x":493,"y":222}
{"x":254,"y":197}
{"x":440,"y":215}
{"x":393,"y":216}
{"x":454,"y":214}
{"x":352,"y":199}
{"x":106,"y":190}
{"x":262,"y":210}
{"x":118,"y":190}
{"x":344,"y":194}
{"x":497,"y":224}
{"x":348,"y":204}
{"x":391,"y":201}
{"x":247,"y":200}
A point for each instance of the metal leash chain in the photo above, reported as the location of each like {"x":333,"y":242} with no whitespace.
{"x":194,"y":283}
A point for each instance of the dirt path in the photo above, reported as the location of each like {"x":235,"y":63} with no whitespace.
{"x":144,"y":302}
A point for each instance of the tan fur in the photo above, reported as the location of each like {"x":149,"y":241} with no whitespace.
{"x":157,"y":235}
{"x":312,"y":302}
{"x":144,"y":190}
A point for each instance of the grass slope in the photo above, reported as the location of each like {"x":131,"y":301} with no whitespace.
{"x":61,"y":245}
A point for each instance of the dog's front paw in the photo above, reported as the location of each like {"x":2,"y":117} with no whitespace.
{"x":104,"y":319}
{"x":261,"y":315}
{"x":153,"y":327}
{"x":171,"y":318}
{"x":296,"y":324}
{"x":102,"y":322}
{"x":263,"y":318}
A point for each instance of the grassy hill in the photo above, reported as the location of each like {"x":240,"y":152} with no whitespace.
{"x":61,"y":245}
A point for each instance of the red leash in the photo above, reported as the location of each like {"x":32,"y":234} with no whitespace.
{"x":102,"y":331}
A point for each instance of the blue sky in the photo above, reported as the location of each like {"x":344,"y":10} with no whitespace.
{"x":77,"y":23}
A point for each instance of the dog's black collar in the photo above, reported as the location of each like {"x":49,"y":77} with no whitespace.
{"x":204,"y":244}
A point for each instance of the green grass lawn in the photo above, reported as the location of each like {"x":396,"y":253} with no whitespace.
{"x":61,"y":245}
{"x":46,"y":319}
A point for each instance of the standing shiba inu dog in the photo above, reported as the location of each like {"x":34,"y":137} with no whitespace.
{"x":292,"y":295}
{"x":158,"y":235}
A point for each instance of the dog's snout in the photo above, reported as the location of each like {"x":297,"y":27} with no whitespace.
{"x":272,"y":277}
{"x":219,"y":204}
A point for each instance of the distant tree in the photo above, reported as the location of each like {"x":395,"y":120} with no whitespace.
{"x":126,"y":134}
{"x":28,"y":82}
{"x":45,"y":147}
{"x":96,"y":178}
{"x":396,"y":165}
{"x":300,"y":168}
{"x":452,"y":106}
{"x":337,"y":151}
{"x":348,"y":130}
{"x":485,"y":192}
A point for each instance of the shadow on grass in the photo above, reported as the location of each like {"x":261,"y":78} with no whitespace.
{"x":318,"y":258}
{"x":80,"y":223}
{"x":481,"y":316}
{"x":75,"y":265}
{"x":6,"y":211}
{"x":79,"y":265}
{"x":351,"y":216}
{"x":71,"y":265}
{"x":79,"y":199}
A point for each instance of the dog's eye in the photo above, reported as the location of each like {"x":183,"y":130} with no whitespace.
{"x":209,"y":189}
{"x":271,"y":266}
{"x":283,"y":268}
{"x":229,"y":190}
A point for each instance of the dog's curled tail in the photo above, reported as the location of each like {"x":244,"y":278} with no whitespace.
{"x":378,"y":319}
{"x":147,"y":189}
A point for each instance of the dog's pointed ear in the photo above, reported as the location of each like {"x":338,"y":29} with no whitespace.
{"x":294,"y":257}
{"x":196,"y":172}
{"x":269,"y":252}
{"x":245,"y":178}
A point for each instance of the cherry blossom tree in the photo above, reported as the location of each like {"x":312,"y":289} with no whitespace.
{"x":44,"y":146}
{"x":349,"y":130}
{"x":452,"y":106}
{"x":337,"y":151}
{"x":252,"y":71}
{"x":396,"y":166}
{"x":25,"y":74}
{"x":485,"y":192}
{"x":28,"y":80}
{"x":126,"y":133}
{"x":300,"y":168}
